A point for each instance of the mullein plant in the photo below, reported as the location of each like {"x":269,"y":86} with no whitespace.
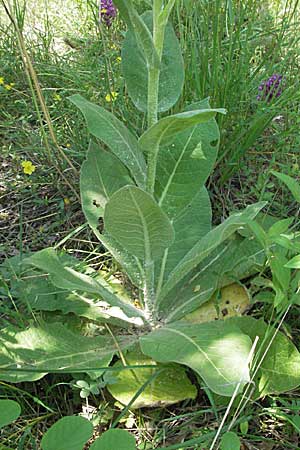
{"x":145,"y":199}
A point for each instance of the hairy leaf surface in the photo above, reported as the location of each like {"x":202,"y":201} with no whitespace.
{"x":217,"y":351}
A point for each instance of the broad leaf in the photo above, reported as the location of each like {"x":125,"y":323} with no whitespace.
{"x":68,"y":433}
{"x":135,"y":69}
{"x":140,"y":32}
{"x":9,"y":412}
{"x":171,"y":386}
{"x":280,"y":369}
{"x":191,"y":224}
{"x":292,"y":184}
{"x":230,"y":441}
{"x":161,"y":133}
{"x":232,"y":261}
{"x":185,"y":164}
{"x":53,"y":348}
{"x":217,"y":351}
{"x":101,"y":175}
{"x":208,"y":243}
{"x":135,"y":220}
{"x":67,"y":278}
{"x":106,"y":127}
{"x":114,"y":439}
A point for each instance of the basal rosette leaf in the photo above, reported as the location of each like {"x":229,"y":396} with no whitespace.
{"x":114,"y":439}
{"x":217,"y":351}
{"x":135,"y":69}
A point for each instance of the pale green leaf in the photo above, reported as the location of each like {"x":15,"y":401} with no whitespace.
{"x":135,"y":220}
{"x":9,"y":412}
{"x":142,"y":36}
{"x":135,"y":69}
{"x":208,"y":243}
{"x":171,"y":386}
{"x":217,"y":351}
{"x":293,"y":185}
{"x":114,"y":439}
{"x":280,"y":369}
{"x":101,"y":175}
{"x":185,"y":164}
{"x":106,"y":127}
{"x":68,"y":433}
{"x":53,"y":347}
{"x":293,"y":263}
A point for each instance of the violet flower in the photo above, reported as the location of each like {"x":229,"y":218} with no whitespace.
{"x":107,"y":12}
{"x":271,"y":88}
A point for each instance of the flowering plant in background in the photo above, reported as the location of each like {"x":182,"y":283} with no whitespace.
{"x":28,"y":167}
{"x":270,"y":88}
{"x":107,"y":11}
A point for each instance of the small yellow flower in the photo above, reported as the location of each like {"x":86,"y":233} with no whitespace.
{"x":113,"y":47}
{"x":8,"y":87}
{"x":28,"y":167}
{"x":119,"y":59}
{"x":1,"y":80}
{"x":111,"y":97}
{"x":68,"y":145}
{"x":57,"y":97}
{"x":103,"y":11}
{"x":66,"y":201}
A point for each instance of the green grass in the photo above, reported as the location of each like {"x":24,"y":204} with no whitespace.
{"x":229,"y":48}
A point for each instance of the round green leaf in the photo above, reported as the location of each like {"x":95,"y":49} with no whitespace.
{"x":114,"y":439}
{"x":230,"y":441}
{"x":136,"y":73}
{"x":9,"y":411}
{"x":68,"y":433}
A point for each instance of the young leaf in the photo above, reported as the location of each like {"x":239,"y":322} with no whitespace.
{"x":135,"y":69}
{"x":207,"y":349}
{"x":293,"y":263}
{"x":208,"y":243}
{"x":140,"y":31}
{"x":9,"y":412}
{"x":135,"y":220}
{"x":166,"y":128}
{"x":53,"y":347}
{"x":293,"y":185}
{"x":67,"y":278}
{"x":171,"y":386}
{"x":101,"y":175}
{"x":114,"y":439}
{"x":185,"y":164}
{"x":68,"y":433}
{"x":106,"y":127}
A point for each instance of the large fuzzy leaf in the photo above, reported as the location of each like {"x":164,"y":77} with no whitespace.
{"x":135,"y":69}
{"x":217,"y":351}
{"x":232,"y":261}
{"x":101,"y":175}
{"x":162,"y":391}
{"x":191,"y":224}
{"x":106,"y":127}
{"x":280,"y":369}
{"x":185,"y":164}
{"x":164,"y":130}
{"x":207,"y":244}
{"x":135,"y":220}
{"x":52,"y":347}
{"x":67,"y":278}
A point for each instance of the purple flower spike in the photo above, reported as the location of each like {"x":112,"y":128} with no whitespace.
{"x":107,"y":12}
{"x":270,"y":88}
